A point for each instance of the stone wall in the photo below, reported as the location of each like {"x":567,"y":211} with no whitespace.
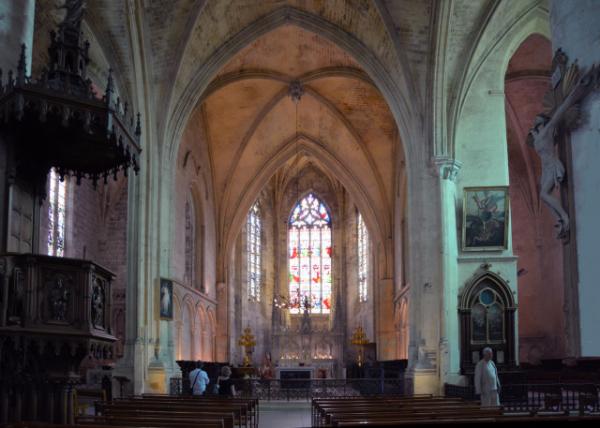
{"x":539,"y":252}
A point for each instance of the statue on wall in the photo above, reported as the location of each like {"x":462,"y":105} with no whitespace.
{"x":266,"y":371}
{"x":59,"y":300}
{"x":98,"y":304}
{"x":561,"y":114}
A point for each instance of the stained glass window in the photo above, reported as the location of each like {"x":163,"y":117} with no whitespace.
{"x":190,"y":243}
{"x":310,"y":274}
{"x":487,"y":316}
{"x":253,"y":249}
{"x":363,"y":258}
{"x":56,"y":214}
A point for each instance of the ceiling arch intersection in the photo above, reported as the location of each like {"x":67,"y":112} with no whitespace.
{"x":307,"y":146}
{"x":184,"y":104}
{"x":263,"y":113}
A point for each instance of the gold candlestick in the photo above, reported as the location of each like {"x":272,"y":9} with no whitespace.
{"x":359,"y":339}
{"x":248,"y":341}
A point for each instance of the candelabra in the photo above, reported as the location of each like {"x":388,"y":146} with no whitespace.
{"x":359,"y":339}
{"x":247,"y":341}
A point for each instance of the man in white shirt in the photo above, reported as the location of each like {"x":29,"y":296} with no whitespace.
{"x":198,"y":380}
{"x":486,"y":380}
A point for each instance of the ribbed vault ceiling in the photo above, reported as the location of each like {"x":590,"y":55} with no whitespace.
{"x":251,"y":120}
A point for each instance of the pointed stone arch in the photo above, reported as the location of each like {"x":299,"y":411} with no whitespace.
{"x":212,"y":334}
{"x":490,"y":47}
{"x":396,"y":96}
{"x":487,"y":318}
{"x":201,"y":330}
{"x":177,"y":326}
{"x":376,"y":222}
{"x":188,"y":328}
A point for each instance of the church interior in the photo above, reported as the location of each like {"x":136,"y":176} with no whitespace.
{"x":351,"y":200}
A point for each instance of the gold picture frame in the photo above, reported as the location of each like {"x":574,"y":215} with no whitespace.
{"x":485,"y":218}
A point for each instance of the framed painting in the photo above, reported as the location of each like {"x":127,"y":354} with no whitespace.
{"x":485,"y":218}
{"x":166,"y":299}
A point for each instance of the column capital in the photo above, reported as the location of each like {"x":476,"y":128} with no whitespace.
{"x":446,"y":167}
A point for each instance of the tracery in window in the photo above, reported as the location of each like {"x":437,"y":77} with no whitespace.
{"x":310,"y":251}
{"x":363,"y":258}
{"x":487,"y":315}
{"x":190,"y":243}
{"x":253,"y":251}
{"x":56,"y":214}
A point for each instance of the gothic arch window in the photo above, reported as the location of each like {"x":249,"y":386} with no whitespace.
{"x":253,"y":252}
{"x":487,"y":319}
{"x":57,"y":206}
{"x":310,"y":251}
{"x":190,"y":242}
{"x":363,"y":258}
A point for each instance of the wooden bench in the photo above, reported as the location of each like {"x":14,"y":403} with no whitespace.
{"x":172,"y":421}
{"x":217,"y":424}
{"x":531,"y":421}
{"x":245,"y":411}
{"x":251,"y":404}
{"x":321,"y":407}
{"x":424,"y":412}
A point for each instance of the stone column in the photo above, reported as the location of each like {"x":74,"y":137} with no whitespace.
{"x":575,"y":29}
{"x":449,"y":350}
{"x":16,"y":27}
{"x":424,"y":275}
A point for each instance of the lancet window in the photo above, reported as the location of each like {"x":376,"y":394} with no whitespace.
{"x":363,"y":258}
{"x":253,"y":251}
{"x":57,"y":198}
{"x":310,"y":256}
{"x":190,"y":242}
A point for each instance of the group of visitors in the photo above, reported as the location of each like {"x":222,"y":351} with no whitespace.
{"x":223,"y":386}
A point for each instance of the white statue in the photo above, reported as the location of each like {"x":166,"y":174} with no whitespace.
{"x":543,"y":138}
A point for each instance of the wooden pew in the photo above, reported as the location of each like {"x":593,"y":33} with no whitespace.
{"x":530,"y":421}
{"x":246,"y":410}
{"x":406,"y":412}
{"x":322,"y":406}
{"x":49,"y":425}
{"x":156,"y":421}
{"x":249,"y":413}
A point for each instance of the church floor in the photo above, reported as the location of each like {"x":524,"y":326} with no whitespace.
{"x":284,"y":414}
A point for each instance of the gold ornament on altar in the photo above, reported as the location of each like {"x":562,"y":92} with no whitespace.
{"x":248,"y":341}
{"x":359,"y":339}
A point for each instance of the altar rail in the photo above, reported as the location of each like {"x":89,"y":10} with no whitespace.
{"x":536,"y":397}
{"x":306,"y":389}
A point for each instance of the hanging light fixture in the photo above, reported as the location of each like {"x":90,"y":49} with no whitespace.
{"x":295,"y":92}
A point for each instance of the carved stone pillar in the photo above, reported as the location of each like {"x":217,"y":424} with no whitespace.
{"x":426,"y":283}
{"x":575,"y":30}
{"x":449,"y":358}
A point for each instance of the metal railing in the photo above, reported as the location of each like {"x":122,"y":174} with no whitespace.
{"x":306,"y":389}
{"x":539,"y":397}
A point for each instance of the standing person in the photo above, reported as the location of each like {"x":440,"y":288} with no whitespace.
{"x":198,"y":379}
{"x":486,"y":380}
{"x":225,"y":384}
